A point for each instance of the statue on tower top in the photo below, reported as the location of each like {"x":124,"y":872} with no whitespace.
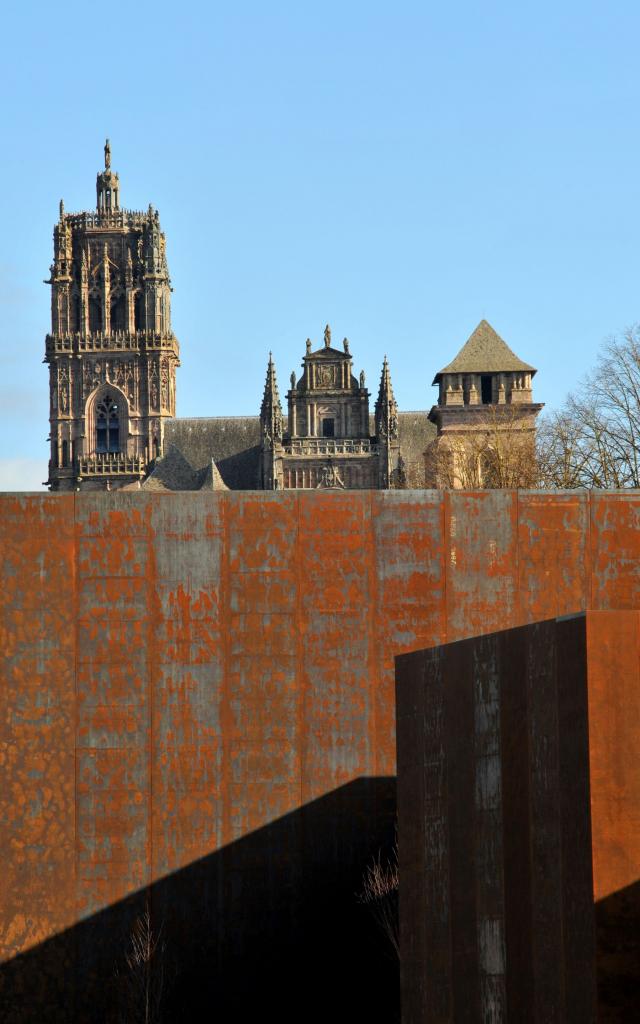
{"x":107,"y":155}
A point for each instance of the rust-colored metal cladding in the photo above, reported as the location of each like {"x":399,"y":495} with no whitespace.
{"x":553,"y":554}
{"x":615,"y":522}
{"x":482,"y":563}
{"x":613,"y":640}
{"x":198,"y":705}
{"x":518,"y":803}
{"x":37,"y":698}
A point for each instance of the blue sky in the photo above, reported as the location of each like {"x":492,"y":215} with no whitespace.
{"x":400,"y":171}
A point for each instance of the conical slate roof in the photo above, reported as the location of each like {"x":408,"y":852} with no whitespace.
{"x":485,"y":352}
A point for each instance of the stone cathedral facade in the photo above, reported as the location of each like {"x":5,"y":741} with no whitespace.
{"x":326,"y":440}
{"x":111,"y":352}
{"x":112,"y":358}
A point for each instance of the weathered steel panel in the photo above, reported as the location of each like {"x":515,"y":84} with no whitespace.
{"x":408,"y":598}
{"x":113,"y":712}
{"x":552,"y":839}
{"x":615,"y":533}
{"x":261,"y":724}
{"x":186,"y":680}
{"x":553,"y":554}
{"x":481,"y":562}
{"x":37,"y":708}
{"x":614,"y":744}
{"x":338,"y":667}
{"x":182,"y":670}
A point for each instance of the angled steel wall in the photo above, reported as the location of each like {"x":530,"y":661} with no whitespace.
{"x":519,"y":824}
{"x":183,"y":670}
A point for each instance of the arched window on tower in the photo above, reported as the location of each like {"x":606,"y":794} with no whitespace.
{"x":107,"y":426}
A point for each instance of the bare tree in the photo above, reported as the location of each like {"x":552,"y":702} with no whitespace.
{"x":380,"y":894}
{"x":594,"y":440}
{"x":498,"y":451}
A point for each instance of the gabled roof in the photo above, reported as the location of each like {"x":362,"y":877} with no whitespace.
{"x":485,"y":352}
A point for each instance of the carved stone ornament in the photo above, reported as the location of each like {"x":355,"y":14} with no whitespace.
{"x":164,"y":383}
{"x":326,"y":376}
{"x":330,"y":477}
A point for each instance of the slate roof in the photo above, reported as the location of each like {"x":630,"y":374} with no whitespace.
{"x":415,"y":432}
{"x":485,"y":352}
{"x":218,"y":451}
{"x":233,"y":442}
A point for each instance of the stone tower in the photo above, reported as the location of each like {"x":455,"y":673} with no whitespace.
{"x":326,"y":440}
{"x":485,"y":417}
{"x":111,"y":352}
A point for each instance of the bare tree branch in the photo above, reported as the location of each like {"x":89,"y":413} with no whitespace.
{"x":594,"y":441}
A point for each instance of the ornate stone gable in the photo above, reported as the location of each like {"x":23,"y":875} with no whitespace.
{"x":327,"y":442}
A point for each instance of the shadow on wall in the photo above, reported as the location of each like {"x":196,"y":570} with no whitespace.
{"x":269,"y":927}
{"x":618,"y":955}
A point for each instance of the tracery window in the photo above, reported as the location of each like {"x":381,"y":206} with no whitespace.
{"x":107,"y":426}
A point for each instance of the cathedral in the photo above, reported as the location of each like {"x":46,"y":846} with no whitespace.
{"x":112,"y":358}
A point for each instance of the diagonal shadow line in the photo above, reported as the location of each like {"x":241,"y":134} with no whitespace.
{"x":266,"y":927}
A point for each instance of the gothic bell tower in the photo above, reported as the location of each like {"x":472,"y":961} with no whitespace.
{"x":111,"y":352}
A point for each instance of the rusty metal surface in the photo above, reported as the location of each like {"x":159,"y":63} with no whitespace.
{"x":499,"y":776}
{"x":518,"y":814}
{"x":181,"y":670}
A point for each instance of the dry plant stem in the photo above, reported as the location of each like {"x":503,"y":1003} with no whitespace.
{"x":144,"y":977}
{"x":380,"y":893}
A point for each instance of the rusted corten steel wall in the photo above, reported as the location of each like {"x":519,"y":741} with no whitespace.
{"x":519,"y":824}
{"x":181,"y":671}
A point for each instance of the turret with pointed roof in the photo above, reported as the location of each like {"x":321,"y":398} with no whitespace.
{"x":486,"y":381}
{"x":485,"y":352}
{"x":484,"y":372}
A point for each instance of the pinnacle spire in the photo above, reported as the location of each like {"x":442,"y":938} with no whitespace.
{"x":386,"y":411}
{"x":271,"y":409}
